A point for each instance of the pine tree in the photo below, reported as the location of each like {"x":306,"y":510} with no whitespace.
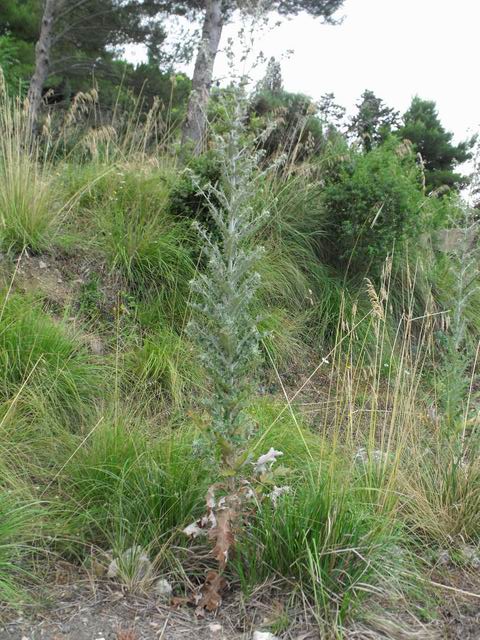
{"x":215,"y":15}
{"x":374,"y":120}
{"x":422,"y":126}
{"x":273,"y":81}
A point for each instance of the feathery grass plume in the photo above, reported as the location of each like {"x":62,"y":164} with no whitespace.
{"x":374,"y":299}
{"x":129,"y":133}
{"x":223,"y":324}
{"x":28,"y":203}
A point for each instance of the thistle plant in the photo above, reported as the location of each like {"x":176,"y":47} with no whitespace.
{"x":459,"y":352}
{"x":223,"y":324}
{"x":225,"y":329}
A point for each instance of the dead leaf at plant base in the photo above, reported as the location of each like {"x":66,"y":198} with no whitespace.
{"x":223,"y":536}
{"x":179,"y":601}
{"x":210,"y":596}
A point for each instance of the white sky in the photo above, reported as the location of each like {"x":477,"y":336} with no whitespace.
{"x":397,"y":48}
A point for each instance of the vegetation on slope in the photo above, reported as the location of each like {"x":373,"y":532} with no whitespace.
{"x":364,"y":326}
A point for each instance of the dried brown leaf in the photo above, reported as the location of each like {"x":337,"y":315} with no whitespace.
{"x":179,"y":601}
{"x":127,"y":634}
{"x":210,"y":596}
{"x":223,"y":536}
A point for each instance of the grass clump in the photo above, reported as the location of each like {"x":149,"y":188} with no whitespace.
{"x":442,"y":495}
{"x":125,"y":490}
{"x":30,"y":203}
{"x":44,"y":369}
{"x":320,"y":538}
{"x":162,"y":367}
{"x":17,"y":522}
{"x":141,"y":240}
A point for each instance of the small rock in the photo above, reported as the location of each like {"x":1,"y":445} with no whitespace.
{"x":471,"y":555}
{"x":215,"y":628}
{"x":163,"y":589}
{"x":96,"y":345}
{"x":134,"y":560}
{"x":444,"y":558}
{"x":264,"y":635}
{"x":42,"y":264}
{"x":362,"y":456}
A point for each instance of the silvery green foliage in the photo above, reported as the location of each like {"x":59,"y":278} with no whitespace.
{"x":223,"y":324}
{"x":459,"y":352}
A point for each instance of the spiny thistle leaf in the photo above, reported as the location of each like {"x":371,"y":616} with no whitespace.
{"x":223,"y":324}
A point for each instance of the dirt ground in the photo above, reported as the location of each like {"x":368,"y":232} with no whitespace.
{"x":86,"y":610}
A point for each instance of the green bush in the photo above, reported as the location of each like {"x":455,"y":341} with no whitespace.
{"x":13,"y":70}
{"x":185,"y":199}
{"x":374,"y":204}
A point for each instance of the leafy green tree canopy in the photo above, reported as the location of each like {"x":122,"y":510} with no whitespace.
{"x":87,"y":34}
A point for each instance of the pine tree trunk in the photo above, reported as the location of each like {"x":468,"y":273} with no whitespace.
{"x":42,"y":63}
{"x":194,"y":127}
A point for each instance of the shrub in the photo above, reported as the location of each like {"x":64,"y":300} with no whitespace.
{"x":11,"y":70}
{"x":374,"y":205}
{"x":186,"y":199}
